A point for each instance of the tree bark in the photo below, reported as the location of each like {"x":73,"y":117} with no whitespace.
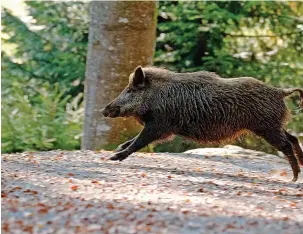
{"x":121,"y":37}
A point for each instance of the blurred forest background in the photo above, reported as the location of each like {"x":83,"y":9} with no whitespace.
{"x":43,"y":62}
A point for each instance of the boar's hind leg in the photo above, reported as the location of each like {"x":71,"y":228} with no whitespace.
{"x":146,"y":136}
{"x":279,"y":140}
{"x":296,"y":146}
{"x":124,"y":145}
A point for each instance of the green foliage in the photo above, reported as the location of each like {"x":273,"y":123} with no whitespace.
{"x":51,"y":47}
{"x":40,"y":119}
{"x":211,"y":36}
{"x":43,"y":66}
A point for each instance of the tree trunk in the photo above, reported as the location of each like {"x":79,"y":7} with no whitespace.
{"x":121,"y":37}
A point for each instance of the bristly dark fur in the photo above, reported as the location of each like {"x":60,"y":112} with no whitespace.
{"x":204,"y":107}
{"x":207,"y":108}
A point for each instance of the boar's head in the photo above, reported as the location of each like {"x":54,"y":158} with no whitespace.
{"x":131,"y":99}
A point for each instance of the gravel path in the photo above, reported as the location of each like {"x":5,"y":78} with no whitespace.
{"x":228,"y":190}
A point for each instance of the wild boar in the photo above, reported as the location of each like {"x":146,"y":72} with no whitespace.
{"x":206,"y":108}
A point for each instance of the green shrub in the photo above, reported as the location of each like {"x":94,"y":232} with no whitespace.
{"x":40,"y":117}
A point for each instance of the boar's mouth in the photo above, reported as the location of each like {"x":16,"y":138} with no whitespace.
{"x":115,"y":112}
{"x":111,"y":112}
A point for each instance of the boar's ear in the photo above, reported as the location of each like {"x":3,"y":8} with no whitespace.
{"x":139,"y":78}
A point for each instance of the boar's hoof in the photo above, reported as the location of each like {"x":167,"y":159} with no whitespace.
{"x":294,"y":179}
{"x":296,"y":170}
{"x":119,"y":156}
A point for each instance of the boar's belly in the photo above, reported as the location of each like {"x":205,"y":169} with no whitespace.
{"x":213,"y":134}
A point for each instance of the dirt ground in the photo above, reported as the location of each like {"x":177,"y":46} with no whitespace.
{"x":226,"y":190}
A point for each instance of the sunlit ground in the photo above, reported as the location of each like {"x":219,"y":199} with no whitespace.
{"x":239,"y":191}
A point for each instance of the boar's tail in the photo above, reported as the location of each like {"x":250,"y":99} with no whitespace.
{"x":288,"y":92}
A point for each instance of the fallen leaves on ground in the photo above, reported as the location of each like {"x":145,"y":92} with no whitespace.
{"x":74,"y":187}
{"x":235,"y":191}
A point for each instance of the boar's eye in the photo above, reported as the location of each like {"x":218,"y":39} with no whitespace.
{"x":129,"y":91}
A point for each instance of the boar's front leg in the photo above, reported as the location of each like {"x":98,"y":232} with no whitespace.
{"x":146,"y":136}
{"x":125,"y":145}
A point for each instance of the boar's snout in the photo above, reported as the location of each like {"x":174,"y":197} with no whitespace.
{"x":105,"y":112}
{"x":111,"y":111}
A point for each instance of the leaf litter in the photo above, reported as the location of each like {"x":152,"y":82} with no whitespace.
{"x":76,"y":192}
